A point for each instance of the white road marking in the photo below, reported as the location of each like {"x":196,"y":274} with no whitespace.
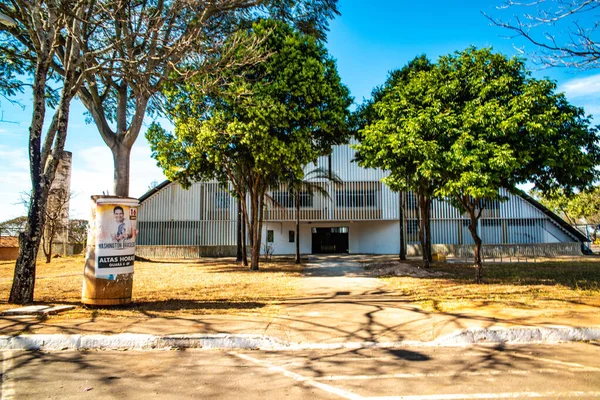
{"x":515,"y":395}
{"x":8,"y":390}
{"x":557,"y":362}
{"x":300,"y":378}
{"x":417,"y":375}
{"x":454,"y":396}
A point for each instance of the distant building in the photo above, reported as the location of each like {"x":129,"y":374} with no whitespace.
{"x":360,"y":216}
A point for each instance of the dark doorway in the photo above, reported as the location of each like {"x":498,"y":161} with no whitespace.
{"x":330,"y":240}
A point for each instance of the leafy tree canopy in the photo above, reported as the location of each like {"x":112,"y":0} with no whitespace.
{"x":264,"y":123}
{"x":581,"y":207}
{"x":268,"y":117}
{"x":474,"y":123}
{"x":477,"y":121}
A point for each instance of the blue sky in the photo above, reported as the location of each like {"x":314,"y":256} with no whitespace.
{"x":368,"y":40}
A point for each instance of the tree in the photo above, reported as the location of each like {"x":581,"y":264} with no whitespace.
{"x":406,"y":172}
{"x":154,"y":41}
{"x":78,"y":232}
{"x":268,"y":120}
{"x":49,"y":36}
{"x":564,"y":32}
{"x":56,"y":218}
{"x":307,"y":185}
{"x":578,"y":208}
{"x":484,"y":124}
{"x":57,"y":221}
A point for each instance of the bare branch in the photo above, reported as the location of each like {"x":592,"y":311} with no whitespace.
{"x":556,"y":29}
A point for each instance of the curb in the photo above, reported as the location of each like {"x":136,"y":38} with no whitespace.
{"x":133,"y":341}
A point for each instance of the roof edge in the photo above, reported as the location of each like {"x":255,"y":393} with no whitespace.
{"x":155,"y":189}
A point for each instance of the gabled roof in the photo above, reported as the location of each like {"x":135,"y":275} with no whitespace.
{"x":561,"y":222}
{"x":153,"y":190}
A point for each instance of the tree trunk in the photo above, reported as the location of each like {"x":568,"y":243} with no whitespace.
{"x":478,"y":243}
{"x":47,"y":246}
{"x":244,"y":247}
{"x":423,"y":227}
{"x":255,"y":227}
{"x":121,"y":153}
{"x":239,"y":255}
{"x":402,"y":223}
{"x":254,"y":243}
{"x":29,"y":241}
{"x":428,"y":229}
{"x":297,"y":227}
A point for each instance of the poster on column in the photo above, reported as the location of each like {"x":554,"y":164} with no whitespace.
{"x":115,"y":236}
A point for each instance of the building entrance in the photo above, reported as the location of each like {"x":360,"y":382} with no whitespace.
{"x":330,"y":240}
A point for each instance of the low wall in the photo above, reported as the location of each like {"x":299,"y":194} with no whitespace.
{"x":457,"y":250}
{"x":67,"y":249}
{"x":185,"y":251}
{"x":9,"y":253}
{"x":503,"y":250}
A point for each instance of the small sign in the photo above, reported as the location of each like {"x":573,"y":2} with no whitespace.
{"x":115,"y":236}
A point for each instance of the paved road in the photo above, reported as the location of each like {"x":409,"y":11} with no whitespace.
{"x":419,"y":373}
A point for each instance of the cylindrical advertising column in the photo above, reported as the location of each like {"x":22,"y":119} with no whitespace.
{"x":108,"y":273}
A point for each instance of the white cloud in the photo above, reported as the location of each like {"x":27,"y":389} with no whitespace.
{"x":581,"y":87}
{"x":14,"y":179}
{"x":584,"y":92}
{"x":92,"y":174}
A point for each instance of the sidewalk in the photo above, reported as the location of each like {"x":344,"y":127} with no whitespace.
{"x":340,"y":305}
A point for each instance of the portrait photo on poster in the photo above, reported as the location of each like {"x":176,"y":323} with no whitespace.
{"x":115,"y":237}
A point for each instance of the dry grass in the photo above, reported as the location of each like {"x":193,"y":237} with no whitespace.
{"x":208,"y":286}
{"x":550,"y":284}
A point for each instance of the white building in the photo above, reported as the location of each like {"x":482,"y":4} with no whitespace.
{"x":360,"y":216}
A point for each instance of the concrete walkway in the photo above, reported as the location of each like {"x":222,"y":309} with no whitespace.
{"x":340,"y":304}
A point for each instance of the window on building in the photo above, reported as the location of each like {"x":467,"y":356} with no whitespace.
{"x":356,"y":198}
{"x":283,"y":199}
{"x":306,"y":200}
{"x":411,"y":201}
{"x":292,"y":236}
{"x":339,"y":229}
{"x":287,"y":199}
{"x":270,"y":236}
{"x":222,"y":199}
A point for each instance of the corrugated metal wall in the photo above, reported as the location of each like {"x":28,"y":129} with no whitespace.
{"x":206,"y":215}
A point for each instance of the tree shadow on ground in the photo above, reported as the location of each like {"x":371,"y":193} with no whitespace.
{"x":578,"y":275}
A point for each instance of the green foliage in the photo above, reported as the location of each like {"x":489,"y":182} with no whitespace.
{"x":473,"y":123}
{"x":574,"y":208}
{"x":381,"y":146}
{"x":263,"y":124}
{"x":477,"y":122}
{"x":270,"y":118}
